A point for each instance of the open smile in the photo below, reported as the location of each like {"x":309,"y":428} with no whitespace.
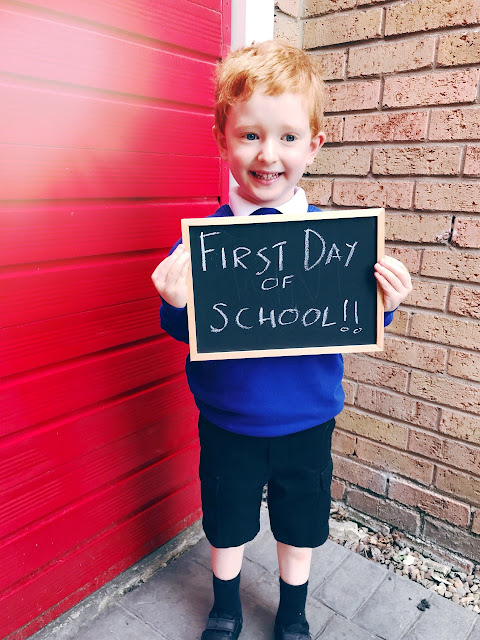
{"x":264,"y":176}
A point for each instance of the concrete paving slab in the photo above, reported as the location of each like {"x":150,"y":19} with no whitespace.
{"x":392,"y":608}
{"x":350,"y":585}
{"x":118,"y":624}
{"x":176,"y":601}
{"x":201,"y":553}
{"x":475,"y":634}
{"x":263,"y":551}
{"x":251,"y":571}
{"x":444,"y":620}
{"x":341,"y":629}
{"x":258,"y":619}
{"x":325,"y":560}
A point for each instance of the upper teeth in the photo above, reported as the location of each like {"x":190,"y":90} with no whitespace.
{"x":266,"y":176}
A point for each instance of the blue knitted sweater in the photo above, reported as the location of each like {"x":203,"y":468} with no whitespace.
{"x":262,"y":396}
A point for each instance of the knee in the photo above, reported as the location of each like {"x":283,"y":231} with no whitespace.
{"x":295,"y":554}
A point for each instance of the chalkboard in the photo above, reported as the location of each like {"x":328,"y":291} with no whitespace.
{"x":279,"y":285}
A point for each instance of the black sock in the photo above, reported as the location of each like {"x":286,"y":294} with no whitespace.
{"x":291,"y":610}
{"x":227,"y":598}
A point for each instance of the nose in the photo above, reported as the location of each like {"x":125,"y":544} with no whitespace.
{"x":268,"y":151}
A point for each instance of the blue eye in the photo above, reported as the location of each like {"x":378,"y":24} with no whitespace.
{"x":251,"y":136}
{"x":290,"y":137}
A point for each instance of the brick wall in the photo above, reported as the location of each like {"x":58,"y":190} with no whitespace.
{"x":403,"y":132}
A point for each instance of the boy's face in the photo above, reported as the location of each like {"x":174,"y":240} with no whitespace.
{"x":268,"y":143}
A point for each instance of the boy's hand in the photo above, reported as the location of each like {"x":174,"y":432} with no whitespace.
{"x":170,"y":277}
{"x":394,"y":281}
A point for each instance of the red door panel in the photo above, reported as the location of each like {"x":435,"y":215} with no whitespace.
{"x":105,"y":145}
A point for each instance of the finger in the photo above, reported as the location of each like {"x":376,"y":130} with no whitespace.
{"x":397,"y":267}
{"x":176,"y":267}
{"x":182,"y":264}
{"x":386,"y":286}
{"x":399,"y":280}
{"x":160,"y":273}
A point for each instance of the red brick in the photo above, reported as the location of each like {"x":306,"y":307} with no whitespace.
{"x":462,"y":456}
{"x":333,"y":127}
{"x":445,"y":87}
{"x":318,"y":191}
{"x":385,"y":127}
{"x":460,"y":485}
{"x":291,"y":7}
{"x":448,"y":196}
{"x":417,"y":160}
{"x":352,"y":96}
{"x":443,"y":390}
{"x":344,"y":27}
{"x":472,"y":161}
{"x":353,"y":161}
{"x":459,"y":48}
{"x":464,"y":301}
{"x":287,"y":29}
{"x":409,"y":257}
{"x":349,"y":389}
{"x":463,"y":364}
{"x":319,"y":7}
{"x":455,"y":124}
{"x":420,"y":15}
{"x":438,"y":506}
{"x":332,"y":63}
{"x":364,"y":502}
{"x":428,"y":294}
{"x":374,"y":428}
{"x":395,"y":461}
{"x":343,"y":442}
{"x":396,"y":406}
{"x":370,"y":193}
{"x":417,"y":227}
{"x":427,"y":444}
{"x":466,"y":232}
{"x":461,"y":542}
{"x":460,"y":425}
{"x":399,"y":325}
{"x":368,"y":370}
{"x":359,"y":474}
{"x":403,"y":519}
{"x":476,"y":523}
{"x":391,"y":57}
{"x":451,"y":265}
{"x":337,"y":489}
{"x":413,"y":354}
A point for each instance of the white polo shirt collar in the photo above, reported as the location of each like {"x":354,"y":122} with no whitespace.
{"x":298,"y":204}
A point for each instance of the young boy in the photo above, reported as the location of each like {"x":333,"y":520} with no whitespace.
{"x":265,"y":420}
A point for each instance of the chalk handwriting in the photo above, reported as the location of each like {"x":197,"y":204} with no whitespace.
{"x":273,"y":318}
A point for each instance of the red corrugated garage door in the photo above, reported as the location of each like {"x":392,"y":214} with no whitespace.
{"x":105,"y":143}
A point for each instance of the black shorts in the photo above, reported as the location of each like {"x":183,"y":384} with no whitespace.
{"x":234,"y":469}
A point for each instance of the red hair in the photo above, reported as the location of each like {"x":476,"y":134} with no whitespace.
{"x":274,"y":67}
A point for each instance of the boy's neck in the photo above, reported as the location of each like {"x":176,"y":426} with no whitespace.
{"x":296,"y":205}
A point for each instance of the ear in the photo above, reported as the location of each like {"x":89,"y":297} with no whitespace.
{"x":315,"y":145}
{"x":221,"y":141}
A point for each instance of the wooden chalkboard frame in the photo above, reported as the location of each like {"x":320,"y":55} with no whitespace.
{"x":195,"y":355}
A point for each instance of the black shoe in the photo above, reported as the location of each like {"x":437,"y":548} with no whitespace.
{"x":287,"y":633}
{"x":222,"y":629}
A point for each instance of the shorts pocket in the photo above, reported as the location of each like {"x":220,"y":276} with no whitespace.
{"x":326,"y":477}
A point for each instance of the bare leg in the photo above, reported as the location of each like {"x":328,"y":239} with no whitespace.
{"x":226,"y":563}
{"x":294,"y":563}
